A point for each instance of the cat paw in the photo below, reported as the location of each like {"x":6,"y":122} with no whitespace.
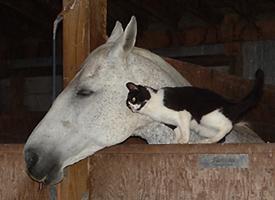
{"x":206,"y":141}
{"x":183,"y":141}
{"x":180,"y":137}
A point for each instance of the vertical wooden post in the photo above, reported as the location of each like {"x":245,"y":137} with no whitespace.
{"x":84,"y":28}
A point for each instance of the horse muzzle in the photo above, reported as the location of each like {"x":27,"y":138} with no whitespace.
{"x":43,"y":167}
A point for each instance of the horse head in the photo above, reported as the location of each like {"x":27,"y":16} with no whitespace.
{"x":91,"y":113}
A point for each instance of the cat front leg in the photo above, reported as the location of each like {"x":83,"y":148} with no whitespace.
{"x":179,"y":137}
{"x":183,"y":129}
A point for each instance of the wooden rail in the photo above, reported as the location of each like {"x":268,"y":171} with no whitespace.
{"x":232,"y":171}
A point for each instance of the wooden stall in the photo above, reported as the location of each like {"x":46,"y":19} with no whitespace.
{"x":167,"y":171}
{"x":131,"y":171}
{"x":229,"y":171}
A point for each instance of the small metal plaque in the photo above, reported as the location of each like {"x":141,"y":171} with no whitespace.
{"x":223,"y":161}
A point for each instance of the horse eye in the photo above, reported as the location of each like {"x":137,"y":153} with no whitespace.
{"x":84,"y":92}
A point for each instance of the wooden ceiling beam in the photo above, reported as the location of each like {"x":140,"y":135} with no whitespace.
{"x":209,"y":35}
{"x":159,"y":10}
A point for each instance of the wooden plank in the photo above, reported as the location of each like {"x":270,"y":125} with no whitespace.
{"x":209,"y":60}
{"x":84,"y":29}
{"x":236,"y":88}
{"x":15,"y":183}
{"x":30,"y":72}
{"x":190,"y":148}
{"x":174,"y":172}
{"x":76,"y":37}
{"x":98,"y":22}
{"x":208,"y":35}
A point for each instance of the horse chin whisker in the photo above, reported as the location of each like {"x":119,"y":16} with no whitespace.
{"x":41,"y":185}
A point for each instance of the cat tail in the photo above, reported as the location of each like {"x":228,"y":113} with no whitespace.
{"x":251,"y":99}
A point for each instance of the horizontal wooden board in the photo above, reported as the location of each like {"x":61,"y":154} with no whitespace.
{"x":173,"y":172}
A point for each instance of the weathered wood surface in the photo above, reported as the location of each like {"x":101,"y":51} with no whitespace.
{"x":261,"y":118}
{"x":15,"y":183}
{"x":76,"y":37}
{"x":174,"y":172}
{"x":84,"y":29}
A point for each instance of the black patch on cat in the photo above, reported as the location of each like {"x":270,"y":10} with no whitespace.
{"x":138,"y":96}
{"x":199,"y":101}
{"x":195,"y":100}
{"x":170,"y":126}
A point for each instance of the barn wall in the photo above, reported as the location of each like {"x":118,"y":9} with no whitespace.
{"x":28,"y":83}
{"x":251,"y":56}
{"x":259,"y":54}
{"x":38,"y":92}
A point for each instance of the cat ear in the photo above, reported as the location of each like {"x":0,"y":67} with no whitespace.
{"x":131,"y":86}
{"x":116,"y":33}
{"x":127,"y":40}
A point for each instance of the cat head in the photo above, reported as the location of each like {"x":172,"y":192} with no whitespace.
{"x":138,"y":96}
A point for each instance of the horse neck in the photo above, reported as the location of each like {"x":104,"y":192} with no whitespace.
{"x":158,"y":62}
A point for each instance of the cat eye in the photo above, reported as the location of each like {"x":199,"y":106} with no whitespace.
{"x":133,"y":99}
{"x":84,"y":92}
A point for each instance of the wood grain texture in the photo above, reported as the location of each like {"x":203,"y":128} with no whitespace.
{"x":171,"y":172}
{"x":84,"y":29}
{"x":76,"y":47}
{"x":76,"y":38}
{"x":15,"y":183}
{"x":98,"y":22}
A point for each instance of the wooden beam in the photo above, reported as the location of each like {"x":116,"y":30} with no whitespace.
{"x":209,"y":35}
{"x":98,"y":22}
{"x":30,"y":72}
{"x":76,"y":38}
{"x":209,"y":60}
{"x":84,"y":29}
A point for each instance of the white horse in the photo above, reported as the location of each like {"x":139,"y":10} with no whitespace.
{"x":91,"y":113}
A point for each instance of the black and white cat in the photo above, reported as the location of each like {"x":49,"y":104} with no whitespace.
{"x":204,"y":111}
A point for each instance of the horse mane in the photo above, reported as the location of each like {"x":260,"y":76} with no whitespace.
{"x":171,"y":71}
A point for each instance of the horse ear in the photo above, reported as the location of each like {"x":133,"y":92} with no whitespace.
{"x":129,"y":36}
{"x":131,"y":86}
{"x":127,"y":40}
{"x":116,"y":33}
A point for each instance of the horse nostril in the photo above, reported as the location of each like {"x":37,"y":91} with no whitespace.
{"x":31,"y":158}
